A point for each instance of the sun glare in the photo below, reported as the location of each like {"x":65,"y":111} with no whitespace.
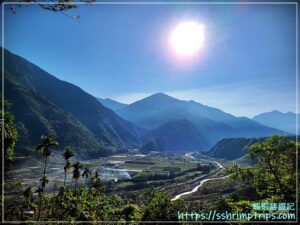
{"x":187,"y":38}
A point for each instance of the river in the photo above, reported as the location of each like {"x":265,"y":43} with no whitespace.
{"x":220,"y":168}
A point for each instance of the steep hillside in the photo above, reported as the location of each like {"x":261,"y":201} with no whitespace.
{"x":235,"y":148}
{"x":232,"y":148}
{"x":70,"y":103}
{"x":39,"y":116}
{"x":176,"y":135}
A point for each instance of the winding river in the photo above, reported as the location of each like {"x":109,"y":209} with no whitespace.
{"x":220,"y":168}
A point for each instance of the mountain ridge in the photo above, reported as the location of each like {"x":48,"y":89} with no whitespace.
{"x":111,"y":104}
{"x":157,"y":109}
{"x":111,"y":131}
{"x":284,"y":121}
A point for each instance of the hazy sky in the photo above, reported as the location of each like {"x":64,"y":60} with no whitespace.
{"x":247,"y":64}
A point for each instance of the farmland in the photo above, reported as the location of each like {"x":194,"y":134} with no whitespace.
{"x":168,"y":172}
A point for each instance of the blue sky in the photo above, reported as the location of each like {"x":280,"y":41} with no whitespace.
{"x":247,"y":64}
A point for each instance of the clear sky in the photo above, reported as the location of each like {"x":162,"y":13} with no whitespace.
{"x":246,"y":66}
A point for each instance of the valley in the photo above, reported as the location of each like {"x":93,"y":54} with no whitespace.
{"x":130,"y":174}
{"x":139,"y":113}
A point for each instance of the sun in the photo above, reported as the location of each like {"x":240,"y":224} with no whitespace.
{"x":187,"y":38}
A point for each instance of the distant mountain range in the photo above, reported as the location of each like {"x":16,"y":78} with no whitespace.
{"x":111,"y":104}
{"x":43,"y":104}
{"x":279,"y":120}
{"x":214,"y":124}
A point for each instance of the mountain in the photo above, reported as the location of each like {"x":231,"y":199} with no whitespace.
{"x":156,"y":110}
{"x":232,"y":148}
{"x":279,"y":120}
{"x":236,"y":148}
{"x":111,"y":104}
{"x":35,"y":115}
{"x":176,"y":135}
{"x":43,"y":104}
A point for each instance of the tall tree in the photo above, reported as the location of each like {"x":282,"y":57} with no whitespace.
{"x":44,"y":148}
{"x":77,"y":166}
{"x":86,"y":174}
{"x":29,"y":197}
{"x":68,"y":153}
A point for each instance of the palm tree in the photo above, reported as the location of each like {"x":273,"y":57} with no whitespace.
{"x":47,"y":142}
{"x":68,"y":153}
{"x":97,"y":183}
{"x":86,"y":174}
{"x":29,"y":197}
{"x":77,"y":166}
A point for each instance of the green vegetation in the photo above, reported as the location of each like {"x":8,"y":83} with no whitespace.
{"x":10,"y":133}
{"x":77,"y":166}
{"x":44,"y":149}
{"x":44,"y":104}
{"x":232,"y":148}
{"x":271,"y":179}
{"x":68,"y":153}
{"x":88,"y":202}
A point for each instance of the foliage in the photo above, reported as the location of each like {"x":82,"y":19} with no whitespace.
{"x":10,"y":133}
{"x":56,"y":6}
{"x":86,"y":173}
{"x":272,"y":178}
{"x":28,"y":194}
{"x":77,"y":166}
{"x":159,"y":207}
{"x":275,"y":159}
{"x":44,"y":148}
{"x":45,"y":104}
{"x":68,"y":153}
{"x":131,"y":212}
{"x":232,"y":148}
{"x":89,"y":203}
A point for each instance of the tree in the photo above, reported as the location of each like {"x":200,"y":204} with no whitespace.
{"x":77,"y":166}
{"x":60,"y":6}
{"x":274,"y":175}
{"x":68,"y":153}
{"x":96,"y":183}
{"x":44,"y":149}
{"x":159,"y":207}
{"x":10,"y":133}
{"x":86,"y":173}
{"x":28,"y":194}
{"x":131,"y":212}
